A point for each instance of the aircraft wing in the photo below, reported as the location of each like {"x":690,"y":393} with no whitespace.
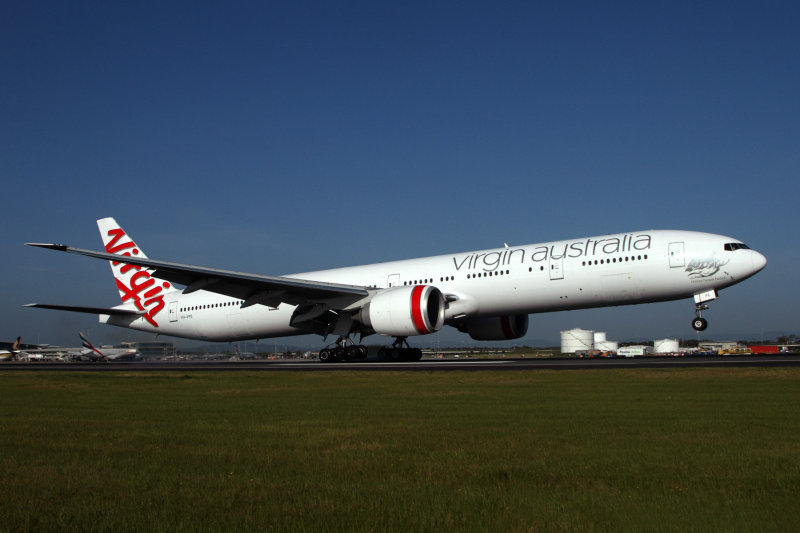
{"x":251,"y":288}
{"x":90,"y":310}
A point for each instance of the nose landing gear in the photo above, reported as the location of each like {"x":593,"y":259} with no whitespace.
{"x":699,"y":323}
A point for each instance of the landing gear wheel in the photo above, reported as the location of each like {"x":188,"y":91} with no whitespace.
{"x":354,"y":352}
{"x":699,"y":324}
{"x":325,"y":356}
{"x":343,"y":350}
{"x":340,"y":354}
{"x":400,"y":351}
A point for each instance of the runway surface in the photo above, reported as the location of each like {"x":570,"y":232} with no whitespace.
{"x":437,"y":365}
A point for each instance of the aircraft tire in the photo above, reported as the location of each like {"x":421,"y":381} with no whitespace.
{"x":340,"y":354}
{"x":353,"y":352}
{"x":699,"y":324}
{"x":325,"y":356}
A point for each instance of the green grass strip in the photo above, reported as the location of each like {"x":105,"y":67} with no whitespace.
{"x":611,"y":450}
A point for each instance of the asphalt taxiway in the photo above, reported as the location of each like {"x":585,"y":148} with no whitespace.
{"x":434,"y":365}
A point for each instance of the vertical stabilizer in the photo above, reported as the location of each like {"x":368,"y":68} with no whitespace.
{"x":137,"y":285}
{"x":89,"y":345}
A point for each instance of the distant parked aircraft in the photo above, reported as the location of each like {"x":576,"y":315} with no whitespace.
{"x":107,"y":354}
{"x":13,"y":353}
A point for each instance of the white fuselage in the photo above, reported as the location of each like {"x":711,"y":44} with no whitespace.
{"x":620,"y":269}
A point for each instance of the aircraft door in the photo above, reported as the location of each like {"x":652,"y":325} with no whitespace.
{"x":173,"y":311}
{"x":393,"y":280}
{"x":557,"y":268}
{"x":677,"y":255}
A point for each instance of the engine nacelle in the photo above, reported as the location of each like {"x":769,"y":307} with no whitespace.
{"x":404,"y":311}
{"x":495,"y":328}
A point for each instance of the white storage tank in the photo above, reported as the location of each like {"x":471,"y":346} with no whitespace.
{"x":666,"y":346}
{"x":575,"y":340}
{"x":606,"y":346}
{"x":599,"y":337}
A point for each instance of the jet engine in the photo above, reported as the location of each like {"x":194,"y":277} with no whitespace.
{"x":404,"y":311}
{"x":495,"y":328}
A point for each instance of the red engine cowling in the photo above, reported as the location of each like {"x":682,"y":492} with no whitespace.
{"x":495,"y":328}
{"x":404,"y":311}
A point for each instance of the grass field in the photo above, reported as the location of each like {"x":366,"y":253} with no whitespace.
{"x":612,"y":450}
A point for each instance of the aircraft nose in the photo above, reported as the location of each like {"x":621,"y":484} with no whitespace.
{"x":759,"y":261}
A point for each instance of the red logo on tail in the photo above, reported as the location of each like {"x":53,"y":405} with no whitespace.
{"x":141,"y":287}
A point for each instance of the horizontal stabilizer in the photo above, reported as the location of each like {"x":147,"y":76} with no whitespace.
{"x":90,"y":310}
{"x":59,"y":247}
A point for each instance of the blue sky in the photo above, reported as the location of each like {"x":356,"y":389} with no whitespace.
{"x":300,"y":136}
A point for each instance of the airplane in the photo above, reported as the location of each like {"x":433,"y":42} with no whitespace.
{"x":12,"y":353}
{"x":108,"y":354}
{"x":487,"y":294}
{"x":243,"y":355}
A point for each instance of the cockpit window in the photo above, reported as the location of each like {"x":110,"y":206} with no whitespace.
{"x":731,"y":246}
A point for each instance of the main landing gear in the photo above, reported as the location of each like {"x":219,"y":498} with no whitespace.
{"x":344,"y":350}
{"x":400,"y":351}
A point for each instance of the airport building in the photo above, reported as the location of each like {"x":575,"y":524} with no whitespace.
{"x":720,"y":347}
{"x":156,"y":350}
